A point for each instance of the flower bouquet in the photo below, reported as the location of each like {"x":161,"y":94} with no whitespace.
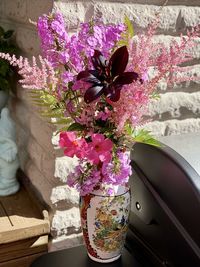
{"x":97,"y":84}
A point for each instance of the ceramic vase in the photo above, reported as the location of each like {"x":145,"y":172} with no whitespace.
{"x":104,"y":221}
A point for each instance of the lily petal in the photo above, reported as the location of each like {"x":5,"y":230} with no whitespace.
{"x":119,"y":61}
{"x":113,"y":92}
{"x":98,"y":60}
{"x":87,"y":74}
{"x":116,"y":96}
{"x":82,"y":75}
{"x":93,"y":93}
{"x":126,"y":78}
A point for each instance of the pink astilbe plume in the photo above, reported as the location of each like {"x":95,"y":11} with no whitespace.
{"x":166,"y":62}
{"x":34,"y":76}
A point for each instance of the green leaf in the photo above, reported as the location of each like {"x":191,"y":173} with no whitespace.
{"x":129,"y":25}
{"x":8,"y":34}
{"x":34,"y":97}
{"x":128,"y":34}
{"x":52,"y":115}
{"x":76,"y":127}
{"x":47,"y":98}
{"x":49,"y":107}
{"x":141,"y":136}
{"x":38,"y":101}
{"x":63,"y":129}
{"x":155,"y":96}
{"x":36,"y":91}
{"x":61,"y":121}
{"x":122,"y":43}
{"x":42,"y":104}
{"x":144,"y":136}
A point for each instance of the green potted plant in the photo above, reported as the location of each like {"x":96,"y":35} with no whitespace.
{"x":6,"y":70}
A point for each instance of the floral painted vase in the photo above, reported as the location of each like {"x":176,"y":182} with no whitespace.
{"x":104,"y":221}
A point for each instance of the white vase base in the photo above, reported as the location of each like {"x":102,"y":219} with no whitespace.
{"x":104,"y":260}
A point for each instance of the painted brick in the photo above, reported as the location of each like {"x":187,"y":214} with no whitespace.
{"x":190,"y":15}
{"x":22,"y":140}
{"x":64,"y":242}
{"x":42,"y":132}
{"x":172,"y":103}
{"x":21,"y":113}
{"x":65,"y":222}
{"x":74,"y":12}
{"x":188,"y":86}
{"x":28,"y":41}
{"x":16,"y":10}
{"x":63,"y":166}
{"x":168,"y":39}
{"x":157,"y":2}
{"x":174,"y":127}
{"x":44,"y":161}
{"x":23,"y":10}
{"x":171,"y":19}
{"x":65,"y":193}
{"x":37,"y":7}
{"x":22,"y":94}
{"x":23,"y":157}
{"x":41,"y":186}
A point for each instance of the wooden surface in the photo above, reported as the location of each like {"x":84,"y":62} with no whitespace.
{"x":24,"y":230}
{"x":20,"y":218}
{"x":23,"y":248}
{"x":21,"y":262}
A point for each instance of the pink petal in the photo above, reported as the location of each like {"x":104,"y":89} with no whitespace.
{"x":69,"y":153}
{"x":93,"y":157}
{"x":105,"y":157}
{"x":71,"y":136}
{"x":107,"y":145}
{"x":97,"y":138}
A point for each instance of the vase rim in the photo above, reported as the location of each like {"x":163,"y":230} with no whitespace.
{"x":119,"y":190}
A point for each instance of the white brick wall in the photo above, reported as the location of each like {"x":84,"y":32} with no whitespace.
{"x":177,"y":111}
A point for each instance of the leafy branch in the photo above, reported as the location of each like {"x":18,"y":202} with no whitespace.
{"x":50,"y":107}
{"x":142,"y":136}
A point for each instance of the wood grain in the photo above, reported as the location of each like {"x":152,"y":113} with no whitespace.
{"x":4,"y":220}
{"x":21,"y":262}
{"x":24,"y":230}
{"x":23,"y":248}
{"x":20,"y":218}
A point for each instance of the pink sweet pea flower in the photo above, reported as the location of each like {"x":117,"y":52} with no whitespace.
{"x":99,"y":150}
{"x":73,"y":145}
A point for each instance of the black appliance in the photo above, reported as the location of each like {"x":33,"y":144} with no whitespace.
{"x":165,"y":217}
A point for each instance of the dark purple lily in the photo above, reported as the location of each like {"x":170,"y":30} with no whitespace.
{"x":107,"y":78}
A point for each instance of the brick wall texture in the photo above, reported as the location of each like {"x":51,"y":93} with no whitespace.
{"x":177,"y":111}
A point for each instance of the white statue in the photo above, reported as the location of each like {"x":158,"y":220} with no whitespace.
{"x":9,"y":161}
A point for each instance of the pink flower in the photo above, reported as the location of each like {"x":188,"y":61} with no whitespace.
{"x":103,"y":115}
{"x":99,"y":150}
{"x":80,"y":85}
{"x":73,"y":146}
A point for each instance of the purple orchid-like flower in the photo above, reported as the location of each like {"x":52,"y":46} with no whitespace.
{"x":108,"y":77}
